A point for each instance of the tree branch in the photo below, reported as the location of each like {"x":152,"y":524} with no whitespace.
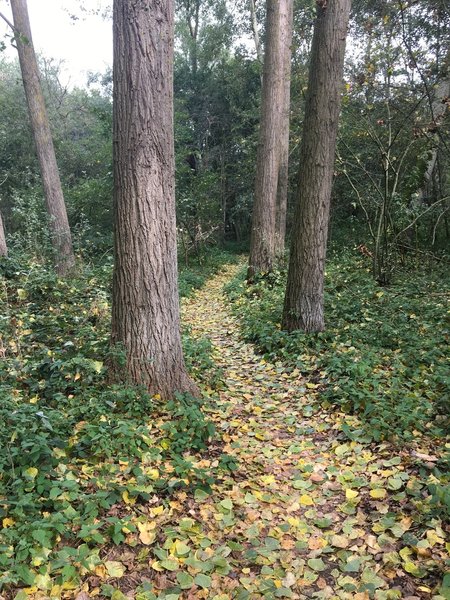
{"x":8,"y":22}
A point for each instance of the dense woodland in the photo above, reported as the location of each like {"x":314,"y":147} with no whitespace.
{"x":224,"y":329}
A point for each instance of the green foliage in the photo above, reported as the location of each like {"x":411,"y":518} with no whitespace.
{"x":382,"y":356}
{"x":187,"y":429}
{"x":199,"y":361}
{"x":73,"y":446}
{"x":81,"y":123}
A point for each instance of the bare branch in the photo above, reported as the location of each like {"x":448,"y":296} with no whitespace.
{"x":8,"y":22}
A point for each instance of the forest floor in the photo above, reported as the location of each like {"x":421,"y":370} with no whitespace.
{"x":307,"y":514}
{"x":304,"y":513}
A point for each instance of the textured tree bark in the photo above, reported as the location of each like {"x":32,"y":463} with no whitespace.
{"x":3,"y":246}
{"x":145,"y":307}
{"x":262,"y":243}
{"x":283,"y":171}
{"x":59,"y":223}
{"x":303,"y":304}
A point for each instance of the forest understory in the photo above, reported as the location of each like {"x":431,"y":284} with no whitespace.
{"x":266,"y":489}
{"x":293,"y":441}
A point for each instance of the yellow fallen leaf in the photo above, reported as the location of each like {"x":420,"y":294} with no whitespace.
{"x":340,"y":541}
{"x":147,"y":533}
{"x":98,"y":366}
{"x":100,"y":571}
{"x":43,"y":582}
{"x":306,"y":500}
{"x":351,"y":494}
{"x":127,"y":499}
{"x":7,"y":522}
{"x":31,"y":472}
{"x":268,"y":479}
{"x":378,"y":493}
{"x":115,"y":568}
{"x":434,"y":538}
{"x":55,"y":592}
{"x":152,"y":473}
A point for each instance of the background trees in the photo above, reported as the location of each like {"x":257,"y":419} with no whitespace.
{"x":217,"y":112}
{"x":393,"y":156}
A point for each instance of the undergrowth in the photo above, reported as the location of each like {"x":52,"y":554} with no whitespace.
{"x":73,"y":447}
{"x":384,"y":354}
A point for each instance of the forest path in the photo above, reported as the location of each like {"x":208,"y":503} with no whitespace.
{"x":307,"y":514}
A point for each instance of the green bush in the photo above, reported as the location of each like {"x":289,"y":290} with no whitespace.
{"x":187,"y":429}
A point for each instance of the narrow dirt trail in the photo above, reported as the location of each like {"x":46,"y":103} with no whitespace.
{"x":307,"y":514}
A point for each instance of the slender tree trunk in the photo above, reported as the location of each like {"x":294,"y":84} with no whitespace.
{"x":256,"y":39}
{"x":59,"y":224}
{"x":303,"y":305}
{"x":438,"y":109}
{"x":3,"y":246}
{"x":145,"y":312}
{"x":283,"y":172}
{"x":262,"y":244}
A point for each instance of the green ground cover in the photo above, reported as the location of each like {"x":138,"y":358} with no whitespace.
{"x":73,"y":446}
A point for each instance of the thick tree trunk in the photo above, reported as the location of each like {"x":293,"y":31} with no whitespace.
{"x":303,"y":305}
{"x":3,"y":246}
{"x":262,"y":244}
{"x":145,"y":313}
{"x":59,"y":224}
{"x":283,"y":172}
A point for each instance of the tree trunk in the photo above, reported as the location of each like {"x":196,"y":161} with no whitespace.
{"x":303,"y":305}
{"x":438,"y":110}
{"x":283,"y":172}
{"x":145,"y":311}
{"x":256,"y":39}
{"x":262,"y":243}
{"x":59,"y":224}
{"x":3,"y":246}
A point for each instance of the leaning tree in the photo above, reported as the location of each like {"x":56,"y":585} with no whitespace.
{"x":56,"y":208}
